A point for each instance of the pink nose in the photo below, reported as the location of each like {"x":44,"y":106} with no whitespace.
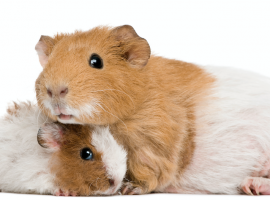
{"x":62,"y":92}
{"x":111,"y":181}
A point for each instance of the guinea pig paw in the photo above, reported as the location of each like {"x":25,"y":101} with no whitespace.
{"x":66,"y":193}
{"x":256,"y":186}
{"x":130,"y":189}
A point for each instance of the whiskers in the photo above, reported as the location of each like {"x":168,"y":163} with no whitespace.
{"x":40,"y":110}
{"x":81,"y":109}
{"x":113,"y":115}
{"x":96,"y":188}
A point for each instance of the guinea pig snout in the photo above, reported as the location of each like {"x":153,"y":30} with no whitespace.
{"x":61,"y":112}
{"x":60,"y":92}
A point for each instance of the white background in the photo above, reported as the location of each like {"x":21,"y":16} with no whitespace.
{"x":224,"y":33}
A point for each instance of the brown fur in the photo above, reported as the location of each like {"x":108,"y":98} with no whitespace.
{"x":150,"y":109}
{"x":84,"y":177}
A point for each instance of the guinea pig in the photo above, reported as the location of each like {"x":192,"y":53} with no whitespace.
{"x":49,"y":163}
{"x":86,"y":160}
{"x":186,"y":128}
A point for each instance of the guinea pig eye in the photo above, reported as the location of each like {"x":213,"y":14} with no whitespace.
{"x":95,"y":61}
{"x":86,"y":154}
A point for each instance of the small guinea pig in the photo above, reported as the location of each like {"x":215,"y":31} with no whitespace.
{"x":186,"y":128}
{"x":86,"y":160}
{"x":96,"y":165}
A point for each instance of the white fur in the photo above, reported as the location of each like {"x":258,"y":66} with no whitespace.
{"x":89,"y":109}
{"x":68,"y":111}
{"x":114,"y":156}
{"x":48,"y":105}
{"x":233,"y":133}
{"x":23,"y":163}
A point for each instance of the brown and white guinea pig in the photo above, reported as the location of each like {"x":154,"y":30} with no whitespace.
{"x":186,"y":128}
{"x":86,"y":160}
{"x":94,"y":165}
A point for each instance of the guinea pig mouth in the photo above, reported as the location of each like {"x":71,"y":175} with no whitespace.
{"x":64,"y":117}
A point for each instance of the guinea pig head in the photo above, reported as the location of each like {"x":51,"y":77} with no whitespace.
{"x":85,"y":160}
{"x":92,"y":77}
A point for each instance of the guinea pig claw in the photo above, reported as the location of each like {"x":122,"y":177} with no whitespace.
{"x":57,"y":192}
{"x":66,"y":193}
{"x":247,"y":191}
{"x":135,"y":191}
{"x":74,"y":194}
{"x":129,"y":189}
{"x":124,"y":190}
{"x":258,"y":185}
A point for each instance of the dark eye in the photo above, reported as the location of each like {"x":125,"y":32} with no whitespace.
{"x":86,"y":154}
{"x":95,"y":61}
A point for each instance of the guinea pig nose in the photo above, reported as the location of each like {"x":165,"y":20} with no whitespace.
{"x":111,"y":181}
{"x":63,"y":92}
{"x":49,"y":92}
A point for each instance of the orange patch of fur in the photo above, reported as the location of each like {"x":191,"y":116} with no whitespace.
{"x":150,"y":109}
{"x":159,"y":136}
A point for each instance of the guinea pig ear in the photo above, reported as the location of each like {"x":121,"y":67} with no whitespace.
{"x":44,"y":48}
{"x":50,"y":135}
{"x":136,"y":49}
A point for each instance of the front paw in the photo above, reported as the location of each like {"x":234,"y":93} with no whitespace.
{"x":129,"y":188}
{"x":59,"y":192}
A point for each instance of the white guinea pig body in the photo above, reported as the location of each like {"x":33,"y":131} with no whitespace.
{"x":232,"y":141}
{"x":23,"y":163}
